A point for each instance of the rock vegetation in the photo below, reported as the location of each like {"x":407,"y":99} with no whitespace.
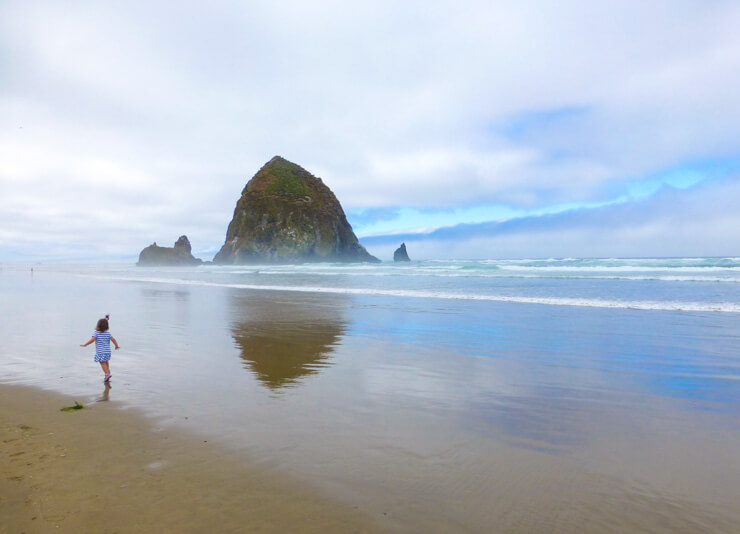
{"x":287,"y":215}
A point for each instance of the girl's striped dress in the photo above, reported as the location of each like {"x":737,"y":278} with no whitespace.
{"x":102,"y":346}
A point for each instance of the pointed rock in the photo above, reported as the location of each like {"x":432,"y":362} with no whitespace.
{"x":184,"y":243}
{"x":400,"y":254}
{"x":287,"y":215}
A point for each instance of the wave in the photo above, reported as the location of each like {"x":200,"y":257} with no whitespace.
{"x":727,"y":307}
{"x":697,"y":266}
{"x":498,"y":273}
{"x":620,"y":268}
{"x":658,"y":264}
{"x":501,"y":275}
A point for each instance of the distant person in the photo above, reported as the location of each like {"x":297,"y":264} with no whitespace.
{"x":102,"y":339}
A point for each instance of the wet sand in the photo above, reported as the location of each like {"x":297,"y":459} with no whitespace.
{"x":104,"y":469}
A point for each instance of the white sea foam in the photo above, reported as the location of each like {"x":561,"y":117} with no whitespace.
{"x":691,"y":275}
{"x":727,"y":307}
{"x":619,"y":268}
{"x":670,"y":270}
{"x":503,"y":274}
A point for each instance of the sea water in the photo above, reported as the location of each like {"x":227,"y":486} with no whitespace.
{"x":533,"y":395}
{"x":691,"y":284}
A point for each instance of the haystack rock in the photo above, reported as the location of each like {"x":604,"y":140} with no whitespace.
{"x":287,"y":215}
{"x":400,"y":254}
{"x":180,"y":254}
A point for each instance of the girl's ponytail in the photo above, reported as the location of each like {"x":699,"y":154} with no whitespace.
{"x":102,"y":325}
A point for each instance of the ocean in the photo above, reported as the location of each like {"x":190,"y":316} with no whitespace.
{"x":560,"y":395}
{"x":656,"y":284}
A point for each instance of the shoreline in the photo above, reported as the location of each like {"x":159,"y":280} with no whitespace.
{"x":108,"y":469}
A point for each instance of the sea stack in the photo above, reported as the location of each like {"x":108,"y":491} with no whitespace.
{"x":180,"y":254}
{"x":287,"y":215}
{"x":400,"y":254}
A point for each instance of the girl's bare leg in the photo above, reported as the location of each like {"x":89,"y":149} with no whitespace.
{"x":105,"y":367}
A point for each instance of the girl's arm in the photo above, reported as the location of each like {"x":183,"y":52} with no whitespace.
{"x":92,"y":340}
{"x":115,"y":342}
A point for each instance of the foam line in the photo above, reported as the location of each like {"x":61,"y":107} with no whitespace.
{"x":727,"y":307}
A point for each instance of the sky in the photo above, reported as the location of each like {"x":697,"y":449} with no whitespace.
{"x":489,"y":129}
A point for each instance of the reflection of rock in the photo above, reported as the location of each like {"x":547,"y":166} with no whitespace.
{"x":400,"y":254}
{"x":283,"y":341}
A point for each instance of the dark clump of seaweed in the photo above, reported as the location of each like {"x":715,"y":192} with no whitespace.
{"x":77,"y":406}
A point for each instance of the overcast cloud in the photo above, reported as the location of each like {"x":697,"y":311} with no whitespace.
{"x":128,"y":122}
{"x":703,"y":221}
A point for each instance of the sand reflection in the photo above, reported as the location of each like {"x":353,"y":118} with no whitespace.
{"x":283,"y":339}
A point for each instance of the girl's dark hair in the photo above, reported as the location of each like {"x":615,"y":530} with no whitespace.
{"x":102,"y":324}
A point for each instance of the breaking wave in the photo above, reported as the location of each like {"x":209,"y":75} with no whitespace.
{"x":729,"y":307}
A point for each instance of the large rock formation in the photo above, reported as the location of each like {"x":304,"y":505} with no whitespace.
{"x":287,"y":215}
{"x":400,"y":254}
{"x":180,"y":254}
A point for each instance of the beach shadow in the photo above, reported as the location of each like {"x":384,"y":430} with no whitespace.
{"x":283,"y":339}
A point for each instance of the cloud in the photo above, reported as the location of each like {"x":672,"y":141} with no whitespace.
{"x":133,"y":120}
{"x":373,"y":215}
{"x":699,"y":221}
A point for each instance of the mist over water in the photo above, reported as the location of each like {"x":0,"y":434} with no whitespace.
{"x":453,"y":396}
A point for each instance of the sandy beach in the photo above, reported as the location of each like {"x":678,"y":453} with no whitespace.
{"x":103,"y":469}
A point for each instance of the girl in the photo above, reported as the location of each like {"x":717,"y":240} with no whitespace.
{"x":102,"y":339}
